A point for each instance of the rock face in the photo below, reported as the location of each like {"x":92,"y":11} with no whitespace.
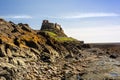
{"x":46,"y":54}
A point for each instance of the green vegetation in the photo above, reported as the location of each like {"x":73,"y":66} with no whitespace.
{"x":64,"y":39}
{"x":58,"y":38}
{"x":51,"y":34}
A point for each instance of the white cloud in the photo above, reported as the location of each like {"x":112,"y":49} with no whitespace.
{"x":17,"y":17}
{"x":95,"y":34}
{"x":87,"y":15}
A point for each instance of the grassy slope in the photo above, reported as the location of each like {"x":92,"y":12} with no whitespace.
{"x":58,"y":38}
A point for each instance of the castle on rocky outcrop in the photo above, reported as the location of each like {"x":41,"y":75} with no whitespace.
{"x":47,"y":25}
{"x":54,"y":27}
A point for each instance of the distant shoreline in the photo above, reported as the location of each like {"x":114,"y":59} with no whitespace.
{"x":109,"y":43}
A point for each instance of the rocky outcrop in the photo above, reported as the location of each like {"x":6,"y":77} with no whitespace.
{"x":23,"y":50}
{"x":46,"y":54}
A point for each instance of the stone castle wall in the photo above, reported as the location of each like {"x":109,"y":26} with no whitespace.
{"x":53,"y":27}
{"x":47,"y":25}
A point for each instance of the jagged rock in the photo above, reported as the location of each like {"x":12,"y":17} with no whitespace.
{"x":9,"y":53}
{"x":31,"y":44}
{"x":35,"y":51}
{"x":25,"y":27}
{"x":1,"y":41}
{"x":16,"y":42}
{"x":45,"y":57}
{"x":2,"y":51}
{"x":17,"y":61}
{"x":114,"y":56}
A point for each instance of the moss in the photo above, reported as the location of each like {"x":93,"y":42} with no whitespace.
{"x":57,"y":38}
{"x":51,"y":34}
{"x":64,"y":39}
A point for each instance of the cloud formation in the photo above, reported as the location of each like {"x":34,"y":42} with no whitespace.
{"x":17,"y":17}
{"x":87,"y":15}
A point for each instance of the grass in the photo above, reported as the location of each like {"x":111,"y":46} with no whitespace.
{"x":64,"y":39}
{"x":51,"y":34}
{"x":58,"y":38}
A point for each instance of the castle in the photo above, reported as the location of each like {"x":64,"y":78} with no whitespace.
{"x":47,"y":25}
{"x":54,"y":27}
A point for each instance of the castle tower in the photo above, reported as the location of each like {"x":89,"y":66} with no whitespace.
{"x":45,"y":22}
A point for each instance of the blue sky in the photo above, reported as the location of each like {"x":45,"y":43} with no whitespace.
{"x":88,"y":20}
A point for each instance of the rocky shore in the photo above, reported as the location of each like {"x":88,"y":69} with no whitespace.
{"x":48,"y":54}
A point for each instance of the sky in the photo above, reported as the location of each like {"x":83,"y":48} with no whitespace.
{"x":92,"y":21}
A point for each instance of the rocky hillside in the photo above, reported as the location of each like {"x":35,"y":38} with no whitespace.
{"x":48,"y":54}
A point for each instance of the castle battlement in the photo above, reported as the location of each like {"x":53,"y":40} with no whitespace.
{"x":45,"y":21}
